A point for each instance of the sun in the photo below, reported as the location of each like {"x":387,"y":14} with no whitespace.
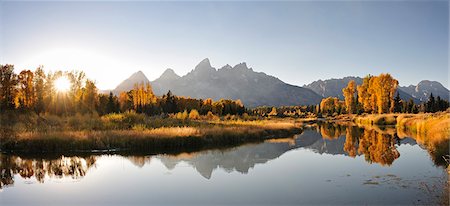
{"x":62,"y":84}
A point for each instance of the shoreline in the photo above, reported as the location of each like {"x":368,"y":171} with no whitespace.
{"x":149,"y":141}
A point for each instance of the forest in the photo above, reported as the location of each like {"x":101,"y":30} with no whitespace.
{"x":38,"y":92}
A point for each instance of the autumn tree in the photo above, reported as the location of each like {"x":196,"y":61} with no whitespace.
{"x":90,"y":96}
{"x":194,"y":114}
{"x":143,"y":97}
{"x":363,"y":94}
{"x":273,"y":112}
{"x":25,"y":95}
{"x":125,"y":101}
{"x":8,"y":83}
{"x":376,"y":93}
{"x":384,"y":89}
{"x":49,"y":92}
{"x":349,"y":96}
{"x":39,"y":80}
{"x":206,"y":106}
{"x":77,"y":79}
{"x":331,"y":105}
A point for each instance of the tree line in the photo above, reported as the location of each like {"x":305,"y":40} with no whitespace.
{"x":36,"y":91}
{"x":377,"y":95}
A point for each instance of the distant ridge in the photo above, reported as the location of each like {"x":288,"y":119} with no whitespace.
{"x":128,"y":84}
{"x":259,"y":89}
{"x":333,"y":88}
{"x":423,"y":90}
{"x":238,"y":82}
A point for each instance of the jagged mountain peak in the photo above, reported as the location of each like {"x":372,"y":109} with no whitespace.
{"x":204,"y":65}
{"x":128,"y":84}
{"x":226,"y":67}
{"x":242,"y":65}
{"x":425,"y":88}
{"x":138,"y":74}
{"x":169,"y":74}
{"x":238,"y":82}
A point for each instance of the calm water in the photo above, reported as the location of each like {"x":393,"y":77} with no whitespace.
{"x":319,"y":166}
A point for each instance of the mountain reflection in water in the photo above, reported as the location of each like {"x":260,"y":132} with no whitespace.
{"x":376,"y":145}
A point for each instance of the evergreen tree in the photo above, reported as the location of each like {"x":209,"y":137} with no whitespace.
{"x":397,"y":103}
{"x":111,"y":105}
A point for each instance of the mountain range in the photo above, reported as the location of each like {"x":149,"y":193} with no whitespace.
{"x":237,"y":82}
{"x":419,"y":93}
{"x":259,"y":89}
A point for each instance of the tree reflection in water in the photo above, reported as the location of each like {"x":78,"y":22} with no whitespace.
{"x":74,"y":167}
{"x":377,"y":145}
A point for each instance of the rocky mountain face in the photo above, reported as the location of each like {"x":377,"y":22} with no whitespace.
{"x":333,"y":88}
{"x":128,"y":84}
{"x":423,"y":90}
{"x":259,"y":89}
{"x":238,"y":82}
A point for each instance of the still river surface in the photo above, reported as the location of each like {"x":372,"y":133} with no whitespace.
{"x":312,"y":168}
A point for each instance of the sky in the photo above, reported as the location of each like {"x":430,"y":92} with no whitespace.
{"x":296,"y":41}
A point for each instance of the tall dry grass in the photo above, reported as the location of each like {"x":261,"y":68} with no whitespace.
{"x":430,"y":130}
{"x":149,"y":140}
{"x":376,"y":119}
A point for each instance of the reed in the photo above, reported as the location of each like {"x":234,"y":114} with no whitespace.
{"x":142,"y":139}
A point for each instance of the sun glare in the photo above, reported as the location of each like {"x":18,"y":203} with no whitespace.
{"x":62,"y":84}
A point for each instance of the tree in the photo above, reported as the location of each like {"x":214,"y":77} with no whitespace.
{"x":49,"y":93}
{"x":125,"y":101}
{"x":90,"y":96}
{"x":349,"y":96}
{"x":194,"y":114}
{"x":376,"y":93}
{"x":112,"y":104}
{"x":25,"y":96}
{"x":398,"y":103}
{"x":364,"y":95}
{"x":39,"y":78}
{"x":273,"y":112}
{"x":77,"y":79}
{"x":431,"y":104}
{"x":8,"y":83}
{"x":385,"y":87}
{"x":331,"y":105}
{"x":170,"y":103}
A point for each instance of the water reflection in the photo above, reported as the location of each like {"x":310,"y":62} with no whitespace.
{"x":377,"y":145}
{"x":73,"y":167}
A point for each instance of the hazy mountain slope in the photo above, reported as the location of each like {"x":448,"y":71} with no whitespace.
{"x":333,"y":88}
{"x":128,"y":84}
{"x":238,"y":82}
{"x":423,"y":90}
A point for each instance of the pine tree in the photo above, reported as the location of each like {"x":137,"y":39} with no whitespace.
{"x":398,"y":103}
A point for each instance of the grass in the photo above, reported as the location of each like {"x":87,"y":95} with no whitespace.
{"x":430,"y":130}
{"x":376,"y":119}
{"x":193,"y":136}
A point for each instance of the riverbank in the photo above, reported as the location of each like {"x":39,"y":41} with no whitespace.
{"x":194,"y":136}
{"x":432,"y":130}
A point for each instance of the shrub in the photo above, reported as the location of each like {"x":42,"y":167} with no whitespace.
{"x":194,"y":114}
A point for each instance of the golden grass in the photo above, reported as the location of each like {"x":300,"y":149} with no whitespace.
{"x":376,"y":119}
{"x":264,"y":124}
{"x":430,"y":130}
{"x":161,"y":139}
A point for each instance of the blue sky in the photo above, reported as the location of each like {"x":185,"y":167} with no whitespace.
{"x":298,"y":42}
